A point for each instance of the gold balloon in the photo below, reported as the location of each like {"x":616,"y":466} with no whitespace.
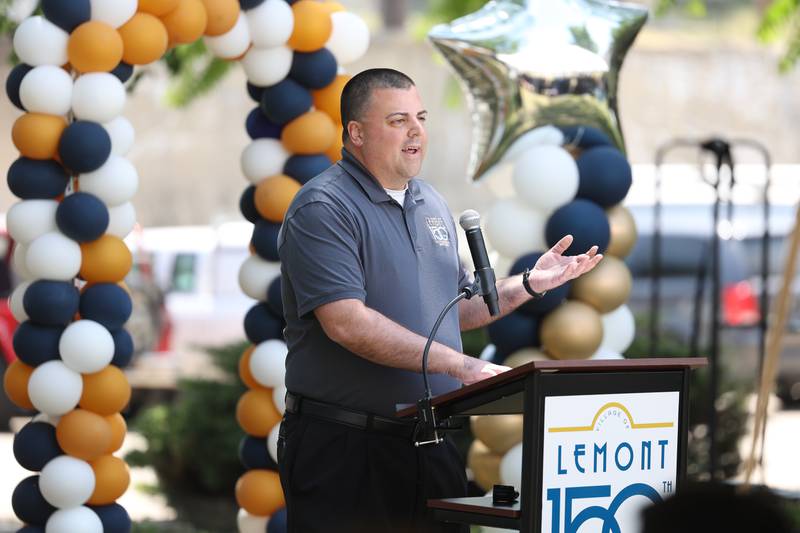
{"x":606,"y":287}
{"x":484,"y":464}
{"x":524,"y":356}
{"x":498,"y":432}
{"x":623,"y":231}
{"x":573,"y":331}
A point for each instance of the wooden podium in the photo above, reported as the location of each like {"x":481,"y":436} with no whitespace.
{"x":601,"y":439}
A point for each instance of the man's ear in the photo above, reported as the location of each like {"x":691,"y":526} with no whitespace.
{"x":355,"y":132}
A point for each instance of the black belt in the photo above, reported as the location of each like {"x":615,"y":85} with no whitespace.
{"x":358,"y":419}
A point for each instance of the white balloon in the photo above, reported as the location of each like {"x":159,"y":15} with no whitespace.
{"x":114,"y":183}
{"x":29,"y":219}
{"x":619,"y":329}
{"x":38,"y":41}
{"x":279,"y":398}
{"x":349,"y":39}
{"x":271,"y":23}
{"x":268,"y":363}
{"x":255,"y":275}
{"x":53,"y":256}
{"x":20,"y":262}
{"x":272,"y":442}
{"x":86,"y":346}
{"x":234,"y":42}
{"x":115,"y":13}
{"x":121,"y":220}
{"x":263,"y":158}
{"x":46,"y":89}
{"x":74,"y":519}
{"x":514,"y":229}
{"x":605,"y":353}
{"x":267,"y":66}
{"x":122,"y":135}
{"x":98,"y":96}
{"x":249,"y":523}
{"x":535,"y":137}
{"x":54,"y":388}
{"x":15,"y":301}
{"x":546,"y":177}
{"x":66,"y":482}
{"x":511,"y":467}
{"x":487,"y":354}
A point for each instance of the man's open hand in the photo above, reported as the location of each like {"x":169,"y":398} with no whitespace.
{"x":554,"y":269}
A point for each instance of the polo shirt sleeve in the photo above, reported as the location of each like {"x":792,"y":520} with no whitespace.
{"x":320,"y":252}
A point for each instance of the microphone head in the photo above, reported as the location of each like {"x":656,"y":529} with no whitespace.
{"x":469,"y":219}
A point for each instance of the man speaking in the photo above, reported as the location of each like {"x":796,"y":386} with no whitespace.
{"x":369,"y":259}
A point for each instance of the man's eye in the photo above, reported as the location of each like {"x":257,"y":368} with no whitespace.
{"x":422,"y":119}
{"x":398,"y":121}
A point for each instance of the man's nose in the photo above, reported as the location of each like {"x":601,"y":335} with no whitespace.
{"x":416,"y":128}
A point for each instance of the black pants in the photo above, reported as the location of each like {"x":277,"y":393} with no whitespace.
{"x":341,"y":479}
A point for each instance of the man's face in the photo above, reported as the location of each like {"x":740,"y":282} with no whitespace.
{"x":391,"y":134}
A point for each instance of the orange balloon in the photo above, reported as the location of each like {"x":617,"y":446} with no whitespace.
{"x":312,"y":26}
{"x":111,"y":479}
{"x":83,"y":434}
{"x":158,"y":8}
{"x":259,"y":492}
{"x":144,"y":38}
{"x":334,"y":153}
{"x":333,"y":7}
{"x":244,"y":370}
{"x":310,"y":133}
{"x":105,"y":392}
{"x":256,"y":412}
{"x":94,"y":46}
{"x":118,"y":430}
{"x":15,"y":383}
{"x":106,"y":260}
{"x":328,"y":99}
{"x":222,"y":16}
{"x":187,"y":22}
{"x":36,"y":135}
{"x":273,"y":196}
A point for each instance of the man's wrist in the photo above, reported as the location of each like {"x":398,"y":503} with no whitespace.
{"x":526,"y":285}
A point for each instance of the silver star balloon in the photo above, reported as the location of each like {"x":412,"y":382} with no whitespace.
{"x":530,"y":63}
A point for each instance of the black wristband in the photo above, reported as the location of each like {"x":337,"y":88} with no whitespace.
{"x":527,"y":286}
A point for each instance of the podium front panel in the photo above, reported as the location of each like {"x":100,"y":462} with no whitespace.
{"x":600,"y":447}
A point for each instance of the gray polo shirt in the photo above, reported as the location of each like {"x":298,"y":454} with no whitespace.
{"x":344,"y":237}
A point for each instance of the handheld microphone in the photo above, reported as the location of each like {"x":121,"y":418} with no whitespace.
{"x":470,"y":220}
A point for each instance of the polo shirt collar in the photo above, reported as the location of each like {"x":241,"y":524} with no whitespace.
{"x":369,"y":183}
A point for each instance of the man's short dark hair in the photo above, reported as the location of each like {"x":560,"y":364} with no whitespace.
{"x":357,"y":91}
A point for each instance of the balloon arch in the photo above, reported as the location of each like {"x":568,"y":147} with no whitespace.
{"x":75,"y":188}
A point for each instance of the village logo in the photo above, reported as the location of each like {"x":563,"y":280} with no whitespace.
{"x":438,"y":230}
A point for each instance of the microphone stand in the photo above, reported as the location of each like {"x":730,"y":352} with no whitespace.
{"x":428,"y":428}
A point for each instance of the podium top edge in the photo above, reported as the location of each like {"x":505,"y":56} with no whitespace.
{"x":566,"y":366}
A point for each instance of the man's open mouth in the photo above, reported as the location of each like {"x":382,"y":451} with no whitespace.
{"x":412,"y":150}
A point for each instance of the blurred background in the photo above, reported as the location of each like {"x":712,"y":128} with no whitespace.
{"x":698,"y":69}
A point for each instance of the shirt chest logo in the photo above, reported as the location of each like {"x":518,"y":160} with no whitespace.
{"x":438,"y":230}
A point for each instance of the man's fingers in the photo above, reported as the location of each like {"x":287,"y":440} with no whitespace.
{"x":592,"y":251}
{"x":561,"y":246}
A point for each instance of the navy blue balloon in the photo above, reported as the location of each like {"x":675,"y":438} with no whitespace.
{"x":585,"y":221}
{"x":255,"y":92}
{"x":549,"y":301}
{"x":265,"y":240}
{"x":260,"y":324}
{"x":123,"y":71}
{"x":31,"y":529}
{"x":277,"y":522}
{"x":304,"y":167}
{"x":67,"y":15}
{"x":314,"y":70}
{"x":253,"y":454}
{"x":274,"y":297}
{"x":51,"y":303}
{"x":35,"y":445}
{"x":247,"y":205}
{"x":28,"y":503}
{"x":82,"y":217}
{"x":32,"y":179}
{"x":35,"y":344}
{"x":123,"y":348}
{"x":285,"y":101}
{"x":106,"y":303}
{"x":114,"y":517}
{"x":585,"y":137}
{"x":84,"y":146}
{"x":259,"y":127}
{"x":513,"y":332}
{"x":249,"y":4}
{"x":13,"y":81}
{"x":605,"y":175}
